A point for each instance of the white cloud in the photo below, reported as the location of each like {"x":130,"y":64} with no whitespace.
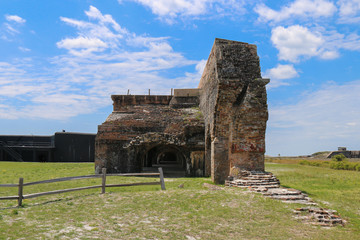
{"x":89,"y":44}
{"x":280,"y":73}
{"x":201,"y":66}
{"x":349,"y":11}
{"x":11,"y":27}
{"x":14,"y":18}
{"x":298,"y":8}
{"x":329,"y":55}
{"x":101,"y":58}
{"x":24,"y":49}
{"x":171,"y":9}
{"x":325,"y":117}
{"x":295,"y":42}
{"x":174,"y":7}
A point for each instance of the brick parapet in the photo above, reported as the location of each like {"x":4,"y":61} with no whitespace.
{"x":121,"y":101}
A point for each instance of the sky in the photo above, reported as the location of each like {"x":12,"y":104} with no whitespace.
{"x":62,"y":59}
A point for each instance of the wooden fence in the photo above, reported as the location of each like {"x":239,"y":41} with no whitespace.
{"x":103,"y":185}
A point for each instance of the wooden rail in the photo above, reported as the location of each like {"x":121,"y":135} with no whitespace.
{"x":103,"y":185}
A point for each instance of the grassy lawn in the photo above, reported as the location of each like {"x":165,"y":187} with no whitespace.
{"x":192,"y":212}
{"x":335,"y":189}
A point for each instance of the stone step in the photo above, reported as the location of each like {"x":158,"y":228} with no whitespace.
{"x":259,"y":181}
{"x":288,"y":197}
{"x":284,"y":191}
{"x":256,"y":181}
{"x":259,"y":177}
{"x":256,"y":185}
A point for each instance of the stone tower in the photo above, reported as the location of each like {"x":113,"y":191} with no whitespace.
{"x":234,"y":104}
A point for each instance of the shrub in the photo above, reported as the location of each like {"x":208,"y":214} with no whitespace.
{"x":351,"y":166}
{"x":339,"y":157}
{"x":304,"y":162}
{"x":314,"y":163}
{"x":357,"y":167}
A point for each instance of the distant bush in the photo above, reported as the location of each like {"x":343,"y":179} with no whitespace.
{"x":337,"y":165}
{"x":304,"y":162}
{"x":315,"y":163}
{"x":357,"y":167}
{"x":338,"y":158}
{"x":339,"y":162}
{"x":345,"y":165}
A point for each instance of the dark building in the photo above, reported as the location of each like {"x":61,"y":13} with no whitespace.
{"x":345,"y":152}
{"x":60,"y":147}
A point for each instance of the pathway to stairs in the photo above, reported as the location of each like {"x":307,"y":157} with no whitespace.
{"x":269,"y":186}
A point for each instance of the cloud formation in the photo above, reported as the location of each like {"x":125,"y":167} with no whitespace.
{"x":280,"y":73}
{"x":11,"y":27}
{"x":349,"y":11}
{"x":296,"y":9}
{"x":101,"y":58}
{"x":297,"y":43}
{"x":172,"y":9}
{"x":15,"y":18}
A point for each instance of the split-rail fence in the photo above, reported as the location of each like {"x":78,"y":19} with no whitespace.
{"x":103,"y":185}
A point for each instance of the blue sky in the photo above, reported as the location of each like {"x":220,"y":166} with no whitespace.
{"x":61,"y":60}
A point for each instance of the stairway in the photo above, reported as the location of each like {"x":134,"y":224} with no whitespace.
{"x":269,"y":186}
{"x":17,"y":156}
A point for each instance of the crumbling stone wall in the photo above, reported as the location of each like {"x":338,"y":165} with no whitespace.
{"x":233,"y":101}
{"x":144,"y":128}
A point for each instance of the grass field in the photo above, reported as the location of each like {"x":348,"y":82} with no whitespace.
{"x":192,"y":212}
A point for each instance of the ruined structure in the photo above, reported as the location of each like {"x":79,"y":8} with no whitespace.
{"x":146,"y":130}
{"x":233,"y":101}
{"x":345,"y":152}
{"x":217,"y":129}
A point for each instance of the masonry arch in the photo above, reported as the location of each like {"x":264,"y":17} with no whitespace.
{"x":164,"y":155}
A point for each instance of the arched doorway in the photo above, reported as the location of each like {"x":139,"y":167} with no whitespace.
{"x":171,"y":158}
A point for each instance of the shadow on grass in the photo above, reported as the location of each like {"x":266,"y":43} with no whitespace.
{"x":27,"y":205}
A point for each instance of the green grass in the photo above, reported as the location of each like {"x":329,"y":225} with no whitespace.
{"x":192,"y":212}
{"x":335,"y":189}
{"x":352,"y":164}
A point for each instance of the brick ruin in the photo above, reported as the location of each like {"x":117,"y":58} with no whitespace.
{"x":215,"y":130}
{"x":147,"y":130}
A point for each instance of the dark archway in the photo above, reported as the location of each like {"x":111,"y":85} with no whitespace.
{"x":171,"y":158}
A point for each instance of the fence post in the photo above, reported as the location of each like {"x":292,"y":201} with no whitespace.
{"x":20,"y":192}
{"x":103,"y":185}
{"x":162,"y":179}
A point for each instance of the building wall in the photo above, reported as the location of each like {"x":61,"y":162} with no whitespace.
{"x":346,"y":153}
{"x":61,"y":147}
{"x":30,"y":148}
{"x":145,"y":127}
{"x":74,"y":147}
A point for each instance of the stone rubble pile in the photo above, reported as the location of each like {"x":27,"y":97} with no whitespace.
{"x":269,"y":186}
{"x":319,"y":216}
